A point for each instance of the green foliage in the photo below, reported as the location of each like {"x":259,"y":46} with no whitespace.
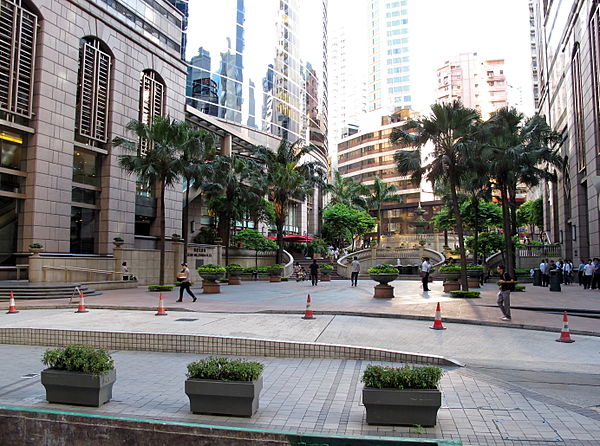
{"x":79,"y":358}
{"x":234,"y":267}
{"x":520,"y":288}
{"x":224,"y":280}
{"x":449,"y":268}
{"x":36,"y":245}
{"x":326,"y":267}
{"x":476,"y":216}
{"x":262,"y":271}
{"x":474,"y":267}
{"x":276,"y":266}
{"x":489,"y":243}
{"x":252,"y":239}
{"x":465,"y":294}
{"x":316,"y":246}
{"x":341,"y":222}
{"x":285,"y":279}
{"x":211,"y":268}
{"x":205,"y":236}
{"x":118,"y":239}
{"x":224,"y":369}
{"x":531,"y":213}
{"x":160,"y":287}
{"x":380,"y":377}
{"x":175,"y":235}
{"x":383,"y":269}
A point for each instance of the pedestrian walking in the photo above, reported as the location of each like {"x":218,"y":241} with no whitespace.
{"x":425,"y":269}
{"x":580,"y":269}
{"x":355,"y":269}
{"x":314,"y":273}
{"x":588,"y":272}
{"x":568,"y":272}
{"x":506,"y":286}
{"x":184,"y":278}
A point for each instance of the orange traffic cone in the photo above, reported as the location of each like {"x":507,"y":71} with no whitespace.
{"x":437,"y":323}
{"x":565,"y":335}
{"x":12,"y":309}
{"x":161,"y":307}
{"x":81,"y":308}
{"x":308,"y":314}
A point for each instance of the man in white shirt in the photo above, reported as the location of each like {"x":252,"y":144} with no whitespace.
{"x":425,"y":269}
{"x":355,"y":269}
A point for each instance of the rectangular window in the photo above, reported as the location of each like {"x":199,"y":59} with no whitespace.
{"x":18,"y":28}
{"x":83,"y":230}
{"x":10,"y":150}
{"x":86,"y":167}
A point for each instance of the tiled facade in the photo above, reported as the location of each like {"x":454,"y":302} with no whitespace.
{"x":569,"y":66}
{"x":64,"y":165}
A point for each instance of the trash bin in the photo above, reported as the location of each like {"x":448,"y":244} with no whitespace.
{"x":537,"y":277}
{"x":555,"y":280}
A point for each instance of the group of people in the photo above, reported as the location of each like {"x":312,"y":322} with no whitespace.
{"x":300,"y":272}
{"x":589,"y":274}
{"x":563,"y":268}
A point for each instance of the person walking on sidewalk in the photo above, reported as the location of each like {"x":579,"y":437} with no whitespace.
{"x":506,"y":286}
{"x":314,"y":273}
{"x":588,"y":271}
{"x":425,"y":269}
{"x":184,"y":278}
{"x":354,"y":272}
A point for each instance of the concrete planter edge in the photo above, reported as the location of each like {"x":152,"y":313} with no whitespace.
{"x":234,"y":398}
{"x":402,"y":407}
{"x":81,"y":389}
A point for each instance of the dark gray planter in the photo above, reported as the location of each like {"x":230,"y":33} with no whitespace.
{"x":78,"y":388}
{"x":405,"y":407}
{"x":223,"y":397}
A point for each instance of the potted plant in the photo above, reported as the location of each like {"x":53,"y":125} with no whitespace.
{"x":450,"y":274}
{"x":218,"y":385}
{"x":404,"y":396}
{"x":118,"y":241}
{"x":326,"y":272}
{"x":465,"y":294}
{"x":275,"y":273}
{"x":474,"y":273}
{"x":175,"y":237}
{"x":36,"y":248}
{"x":77,"y":374}
{"x":384,"y":274}
{"x":234,"y":272}
{"x":210,"y":273}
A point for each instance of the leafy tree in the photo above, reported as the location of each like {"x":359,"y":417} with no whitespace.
{"x":451,"y":128}
{"x":287,"y":175}
{"x":252,"y":239}
{"x":531,"y":213}
{"x":380,"y":193}
{"x":347,"y":192}
{"x":489,"y":243}
{"x":159,"y":165}
{"x":342,"y":222}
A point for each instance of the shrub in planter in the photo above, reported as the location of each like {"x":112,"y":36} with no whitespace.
{"x":118,"y":239}
{"x":211,"y":272}
{"x":223,"y":280}
{"x":218,"y":385}
{"x":326,"y":269}
{"x":276,"y":270}
{"x":234,"y":269}
{"x":36,"y":245}
{"x":383,"y":274}
{"x":161,"y":287}
{"x":285,"y":279}
{"x":519,"y":288}
{"x":402,"y":396}
{"x":465,"y":294}
{"x":77,"y":374}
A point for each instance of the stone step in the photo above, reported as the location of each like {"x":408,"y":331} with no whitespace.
{"x":26,"y":290}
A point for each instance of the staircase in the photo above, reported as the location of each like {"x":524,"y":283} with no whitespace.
{"x":305,"y":263}
{"x":26,"y":290}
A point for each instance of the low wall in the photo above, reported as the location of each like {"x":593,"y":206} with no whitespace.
{"x":64,"y":268}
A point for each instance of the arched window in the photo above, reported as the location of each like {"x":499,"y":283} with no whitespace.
{"x":94,"y":88}
{"x":152,"y":92}
{"x":18,"y":28}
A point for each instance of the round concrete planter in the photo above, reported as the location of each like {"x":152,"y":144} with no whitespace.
{"x":402,"y":407}
{"x":383,"y":278}
{"x":234,"y":276}
{"x":234,"y":398}
{"x":451,"y":285}
{"x":211,"y":276}
{"x":78,"y":388}
{"x":209,"y":287}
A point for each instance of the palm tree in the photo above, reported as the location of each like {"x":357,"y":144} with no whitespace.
{"x":518,"y":153}
{"x":230,"y":184}
{"x":287,"y":176}
{"x":381,"y":192}
{"x":159,"y":165}
{"x":450,"y":128}
{"x":195,"y":165}
{"x":347,"y":192}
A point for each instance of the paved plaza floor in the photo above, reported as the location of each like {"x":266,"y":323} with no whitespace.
{"x":518,"y":385}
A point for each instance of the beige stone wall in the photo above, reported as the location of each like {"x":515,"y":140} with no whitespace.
{"x":69,"y":269}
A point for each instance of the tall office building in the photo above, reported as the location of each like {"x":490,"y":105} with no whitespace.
{"x":478,"y":84}
{"x":257,"y":73}
{"x":569,"y":78}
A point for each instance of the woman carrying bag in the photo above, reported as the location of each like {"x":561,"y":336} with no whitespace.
{"x":184,"y":278}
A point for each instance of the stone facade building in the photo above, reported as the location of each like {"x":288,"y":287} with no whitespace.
{"x":72,"y":75}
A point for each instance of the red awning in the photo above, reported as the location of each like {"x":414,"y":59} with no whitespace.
{"x":294,"y":238}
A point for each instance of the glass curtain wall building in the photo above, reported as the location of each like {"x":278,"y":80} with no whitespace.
{"x":261,"y":64}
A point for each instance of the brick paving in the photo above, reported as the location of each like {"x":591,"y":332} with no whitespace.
{"x":318,"y":396}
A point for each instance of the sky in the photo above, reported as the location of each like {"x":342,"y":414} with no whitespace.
{"x":440,"y":29}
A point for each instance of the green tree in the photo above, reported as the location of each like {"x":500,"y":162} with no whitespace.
{"x":531,"y":213}
{"x":252,"y":239}
{"x":347,"y":192}
{"x":287,"y":176}
{"x":451,"y":128}
{"x":342,"y":222}
{"x":489,"y":243}
{"x":159,"y":165}
{"x":381,"y":192}
{"x":517,"y":153}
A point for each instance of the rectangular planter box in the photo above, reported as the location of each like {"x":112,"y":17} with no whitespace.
{"x":405,"y":407}
{"x":78,"y":388}
{"x":223,"y":397}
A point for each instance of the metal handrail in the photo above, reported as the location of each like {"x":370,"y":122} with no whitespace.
{"x":69,"y":269}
